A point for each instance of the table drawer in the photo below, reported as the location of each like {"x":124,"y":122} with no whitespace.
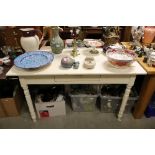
{"x":115,"y":79}
{"x":39,"y":80}
{"x":78,"y":79}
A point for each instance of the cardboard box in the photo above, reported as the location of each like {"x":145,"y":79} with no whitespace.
{"x":50,"y":109}
{"x":11,"y":106}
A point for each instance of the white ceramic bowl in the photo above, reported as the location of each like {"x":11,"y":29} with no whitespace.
{"x":120,"y":57}
{"x":89,"y":62}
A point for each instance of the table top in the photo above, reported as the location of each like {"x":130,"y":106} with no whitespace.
{"x":102,"y":66}
{"x":148,"y":69}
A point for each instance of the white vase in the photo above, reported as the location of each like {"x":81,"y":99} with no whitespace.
{"x":29,"y":41}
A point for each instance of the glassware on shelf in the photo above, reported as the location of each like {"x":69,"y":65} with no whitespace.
{"x":5,"y":50}
{"x":151,"y":58}
{"x":137,"y":34}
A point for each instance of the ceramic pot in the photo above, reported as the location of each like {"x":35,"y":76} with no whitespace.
{"x":29,"y":40}
{"x":89,"y":62}
{"x":67,"y":62}
{"x":149,"y":34}
{"x":56,"y":43}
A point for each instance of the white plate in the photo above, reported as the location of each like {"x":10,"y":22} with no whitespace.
{"x":94,"y":42}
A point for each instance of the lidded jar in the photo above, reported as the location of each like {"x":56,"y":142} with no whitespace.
{"x":149,"y":34}
{"x":56,"y":43}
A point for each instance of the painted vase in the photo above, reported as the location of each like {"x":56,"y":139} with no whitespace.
{"x":149,"y":34}
{"x":29,"y":40}
{"x":56,"y":43}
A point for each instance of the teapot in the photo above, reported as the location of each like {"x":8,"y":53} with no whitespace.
{"x":30,"y":40}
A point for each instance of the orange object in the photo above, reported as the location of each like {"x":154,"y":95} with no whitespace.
{"x":149,"y":34}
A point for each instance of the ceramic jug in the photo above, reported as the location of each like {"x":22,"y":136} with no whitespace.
{"x":149,"y":34}
{"x":29,"y":40}
{"x":56,"y":43}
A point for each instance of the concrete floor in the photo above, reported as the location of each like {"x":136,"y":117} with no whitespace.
{"x":77,"y":120}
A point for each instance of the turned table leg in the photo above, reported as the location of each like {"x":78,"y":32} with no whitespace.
{"x":125,"y":98}
{"x":28,"y":99}
{"x":146,"y":93}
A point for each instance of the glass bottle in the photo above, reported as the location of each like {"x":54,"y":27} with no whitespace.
{"x":56,"y":43}
{"x":137,"y":33}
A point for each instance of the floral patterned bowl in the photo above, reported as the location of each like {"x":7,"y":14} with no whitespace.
{"x":120,"y":57}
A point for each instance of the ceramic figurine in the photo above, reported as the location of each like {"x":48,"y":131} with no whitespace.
{"x":151,"y":59}
{"x":139,"y":51}
{"x":137,"y":34}
{"x":110,"y":35}
{"x":76,"y":65}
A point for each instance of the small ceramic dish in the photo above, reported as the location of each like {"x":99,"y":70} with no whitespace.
{"x":114,"y":46}
{"x":79,"y":43}
{"x":94,"y":51}
{"x":89,"y":62}
{"x":94,"y":43}
{"x":5,"y":60}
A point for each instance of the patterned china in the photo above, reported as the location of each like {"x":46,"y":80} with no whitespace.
{"x":120,"y":57}
{"x":35,"y":59}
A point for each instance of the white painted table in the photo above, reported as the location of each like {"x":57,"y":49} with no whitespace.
{"x":103,"y":73}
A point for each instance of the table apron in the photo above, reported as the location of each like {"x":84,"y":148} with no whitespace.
{"x":78,"y":79}
{"x":37,"y":80}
